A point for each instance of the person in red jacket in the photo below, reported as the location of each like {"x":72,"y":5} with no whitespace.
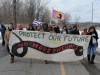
{"x":84,"y":32}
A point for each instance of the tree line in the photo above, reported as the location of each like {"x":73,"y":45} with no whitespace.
{"x":26,"y":11}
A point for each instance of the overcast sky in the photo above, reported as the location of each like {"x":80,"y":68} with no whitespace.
{"x":78,"y":8}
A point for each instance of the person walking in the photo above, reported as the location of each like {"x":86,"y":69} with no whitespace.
{"x":45,"y":28}
{"x":3,"y":30}
{"x":7,"y":37}
{"x":92,"y":45}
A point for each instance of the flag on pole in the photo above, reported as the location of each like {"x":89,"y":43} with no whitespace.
{"x":58,"y":15}
{"x":37,"y":23}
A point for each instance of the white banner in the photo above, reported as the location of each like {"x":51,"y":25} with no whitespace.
{"x":49,"y":46}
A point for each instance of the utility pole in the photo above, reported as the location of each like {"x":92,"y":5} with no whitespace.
{"x":92,"y":12}
{"x":14,"y":13}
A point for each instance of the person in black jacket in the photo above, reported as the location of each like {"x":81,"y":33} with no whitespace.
{"x":3,"y":30}
{"x":75,"y":30}
{"x":92,"y":45}
{"x":70,"y":29}
{"x":56,"y":29}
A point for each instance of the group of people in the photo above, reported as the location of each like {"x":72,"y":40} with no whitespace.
{"x":55,"y":29}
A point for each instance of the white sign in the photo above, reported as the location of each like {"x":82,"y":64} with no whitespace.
{"x":49,"y":46}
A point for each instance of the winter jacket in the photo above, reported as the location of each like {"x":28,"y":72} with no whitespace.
{"x":3,"y":29}
{"x":56,"y":30}
{"x":7,"y":36}
{"x":76,"y":32}
{"x":94,"y":38}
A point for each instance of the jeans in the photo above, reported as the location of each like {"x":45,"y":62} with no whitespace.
{"x":92,"y":50}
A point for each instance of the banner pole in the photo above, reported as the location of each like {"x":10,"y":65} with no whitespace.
{"x":51,"y":15}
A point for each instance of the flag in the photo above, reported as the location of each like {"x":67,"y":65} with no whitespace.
{"x":58,"y":15}
{"x":37,"y":23}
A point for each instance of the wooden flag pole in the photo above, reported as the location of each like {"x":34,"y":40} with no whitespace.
{"x":51,"y":16}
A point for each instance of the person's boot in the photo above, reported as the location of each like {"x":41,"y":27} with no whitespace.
{"x":88,"y":59}
{"x":12,"y":60}
{"x":92,"y":59}
{"x":3,"y":43}
{"x":46,"y":62}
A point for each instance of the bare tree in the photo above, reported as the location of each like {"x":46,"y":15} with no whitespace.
{"x":25,"y":12}
{"x":40,"y":8}
{"x":77,"y":19}
{"x":46,"y":16}
{"x":67,"y":19}
{"x":30,"y":9}
{"x":6,"y":10}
